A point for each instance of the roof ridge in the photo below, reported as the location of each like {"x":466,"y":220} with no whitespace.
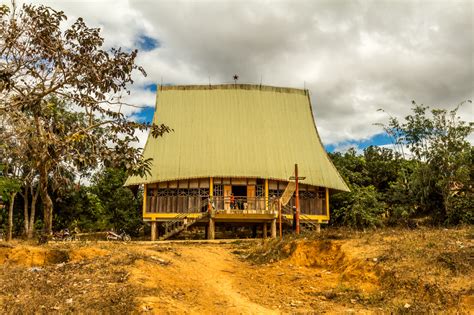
{"x":232,"y":86}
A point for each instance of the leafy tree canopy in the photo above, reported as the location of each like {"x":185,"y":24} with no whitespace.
{"x":62,"y":97}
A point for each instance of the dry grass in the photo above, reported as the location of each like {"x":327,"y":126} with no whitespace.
{"x":387,"y":271}
{"x":422,"y":270}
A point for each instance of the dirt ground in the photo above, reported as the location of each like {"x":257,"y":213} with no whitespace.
{"x":388,"y":271}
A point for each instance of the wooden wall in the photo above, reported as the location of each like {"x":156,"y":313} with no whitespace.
{"x":187,"y":196}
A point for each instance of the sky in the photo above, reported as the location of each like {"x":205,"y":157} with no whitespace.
{"x":354,"y":56}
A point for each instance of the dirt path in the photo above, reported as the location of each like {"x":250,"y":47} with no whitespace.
{"x":198,"y":279}
{"x":209,"y":278}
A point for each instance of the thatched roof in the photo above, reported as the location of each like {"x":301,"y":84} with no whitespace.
{"x":237,"y":130}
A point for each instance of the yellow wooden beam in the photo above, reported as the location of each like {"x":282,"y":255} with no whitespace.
{"x":158,"y":216}
{"x":327,"y":202}
{"x":310,"y":217}
{"x":266,"y":194}
{"x":242,"y":217}
{"x":144,"y":199}
{"x":211,"y":186}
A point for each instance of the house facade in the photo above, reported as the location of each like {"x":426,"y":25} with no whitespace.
{"x":230,"y":156}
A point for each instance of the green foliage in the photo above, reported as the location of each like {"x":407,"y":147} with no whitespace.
{"x":359,"y":208}
{"x":382,"y":167}
{"x":62,"y":95}
{"x":8,"y":186}
{"x":462,"y":209}
{"x":363,"y":206}
{"x":430,"y":175}
{"x":104,"y":205}
{"x":442,"y":154}
{"x":121,"y":207}
{"x":80,"y":208}
{"x":352,"y":167}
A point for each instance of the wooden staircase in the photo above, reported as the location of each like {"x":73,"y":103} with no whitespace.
{"x":180,"y":223}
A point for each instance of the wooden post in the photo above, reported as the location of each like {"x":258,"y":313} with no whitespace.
{"x":153,"y":230}
{"x":327,"y":202}
{"x":297,"y":201}
{"x":211,"y":194}
{"x":211,"y":186}
{"x":274,"y":228}
{"x":266,"y":194}
{"x":254,"y":231}
{"x":144,"y":199}
{"x":318,"y":227}
{"x":211,"y":229}
{"x":279,"y":216}
{"x":265,"y":230}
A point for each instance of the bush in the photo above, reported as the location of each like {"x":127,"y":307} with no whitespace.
{"x":359,"y":208}
{"x":462,"y":209}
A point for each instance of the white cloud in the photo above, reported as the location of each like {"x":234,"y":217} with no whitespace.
{"x":355,"y":57}
{"x":142,"y":136}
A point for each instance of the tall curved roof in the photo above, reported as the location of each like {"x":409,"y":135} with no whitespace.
{"x":237,"y":130}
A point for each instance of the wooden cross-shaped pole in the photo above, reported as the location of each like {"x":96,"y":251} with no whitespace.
{"x":296,"y":217}
{"x":297,"y":201}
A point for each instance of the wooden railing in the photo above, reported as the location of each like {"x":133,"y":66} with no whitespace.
{"x":237,"y":204}
{"x":177,"y":204}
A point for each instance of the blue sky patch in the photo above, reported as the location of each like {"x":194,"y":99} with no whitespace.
{"x":378,"y":139}
{"x":147,"y":43}
{"x":151,"y":87}
{"x":145,"y":115}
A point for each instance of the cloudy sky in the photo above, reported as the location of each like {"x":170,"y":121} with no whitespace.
{"x":353,"y":56}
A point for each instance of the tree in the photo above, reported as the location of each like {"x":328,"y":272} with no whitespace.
{"x":62,"y":94}
{"x":352,"y":167}
{"x":17,"y":155}
{"x":438,"y":143}
{"x":9,"y":187}
{"x":121,"y":208}
{"x":30,"y":188}
{"x":365,"y":175}
{"x":382,"y":166}
{"x":105,"y":204}
{"x":359,"y":208}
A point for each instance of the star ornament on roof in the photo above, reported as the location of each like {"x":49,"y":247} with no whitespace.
{"x":236,"y":77}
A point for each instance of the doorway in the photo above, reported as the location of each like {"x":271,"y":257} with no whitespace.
{"x":239,"y":191}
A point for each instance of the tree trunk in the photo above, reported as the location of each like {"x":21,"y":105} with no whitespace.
{"x":10,"y":217}
{"x":47,"y":203}
{"x":34,"y":198}
{"x":26,"y":220}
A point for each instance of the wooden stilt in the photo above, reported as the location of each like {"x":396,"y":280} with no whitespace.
{"x":211,"y":230}
{"x":318,"y":227}
{"x":153,"y":231}
{"x":265,"y":230}
{"x":254,"y":231}
{"x":274,"y":228}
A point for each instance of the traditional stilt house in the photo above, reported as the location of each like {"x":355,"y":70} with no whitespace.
{"x":230,"y":157}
